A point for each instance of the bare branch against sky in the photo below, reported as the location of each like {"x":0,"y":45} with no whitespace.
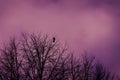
{"x":92,"y":25}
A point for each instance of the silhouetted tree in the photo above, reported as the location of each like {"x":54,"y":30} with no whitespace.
{"x":74,"y":68}
{"x":102,"y":73}
{"x":87,"y":67}
{"x":9,"y":63}
{"x":41,"y":56}
{"x":37,"y":57}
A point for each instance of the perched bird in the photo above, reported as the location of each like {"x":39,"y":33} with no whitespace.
{"x":53,"y":39}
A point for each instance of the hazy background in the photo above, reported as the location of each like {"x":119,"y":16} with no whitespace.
{"x":92,"y":25}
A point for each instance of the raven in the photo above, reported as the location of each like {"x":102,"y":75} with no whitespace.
{"x":53,"y":39}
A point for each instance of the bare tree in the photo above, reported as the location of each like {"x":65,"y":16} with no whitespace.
{"x":40,"y":53}
{"x":74,"y":68}
{"x":9,"y":63}
{"x":101,"y":73}
{"x":87,"y":67}
{"x":37,"y":57}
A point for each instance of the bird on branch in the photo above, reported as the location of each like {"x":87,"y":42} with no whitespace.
{"x":53,"y":39}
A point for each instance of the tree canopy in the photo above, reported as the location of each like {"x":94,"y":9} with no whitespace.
{"x":40,"y":57}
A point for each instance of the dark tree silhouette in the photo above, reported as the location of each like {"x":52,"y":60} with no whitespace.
{"x":74,"y":67}
{"x":87,"y":67}
{"x":36,"y":57}
{"x":9,"y":63}
{"x":101,"y":73}
{"x":41,"y":56}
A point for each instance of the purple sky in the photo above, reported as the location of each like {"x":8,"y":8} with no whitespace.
{"x":92,"y":25}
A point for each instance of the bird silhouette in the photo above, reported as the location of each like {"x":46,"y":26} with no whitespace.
{"x":53,"y":39}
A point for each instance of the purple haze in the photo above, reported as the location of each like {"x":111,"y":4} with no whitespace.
{"x":91,"y":25}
